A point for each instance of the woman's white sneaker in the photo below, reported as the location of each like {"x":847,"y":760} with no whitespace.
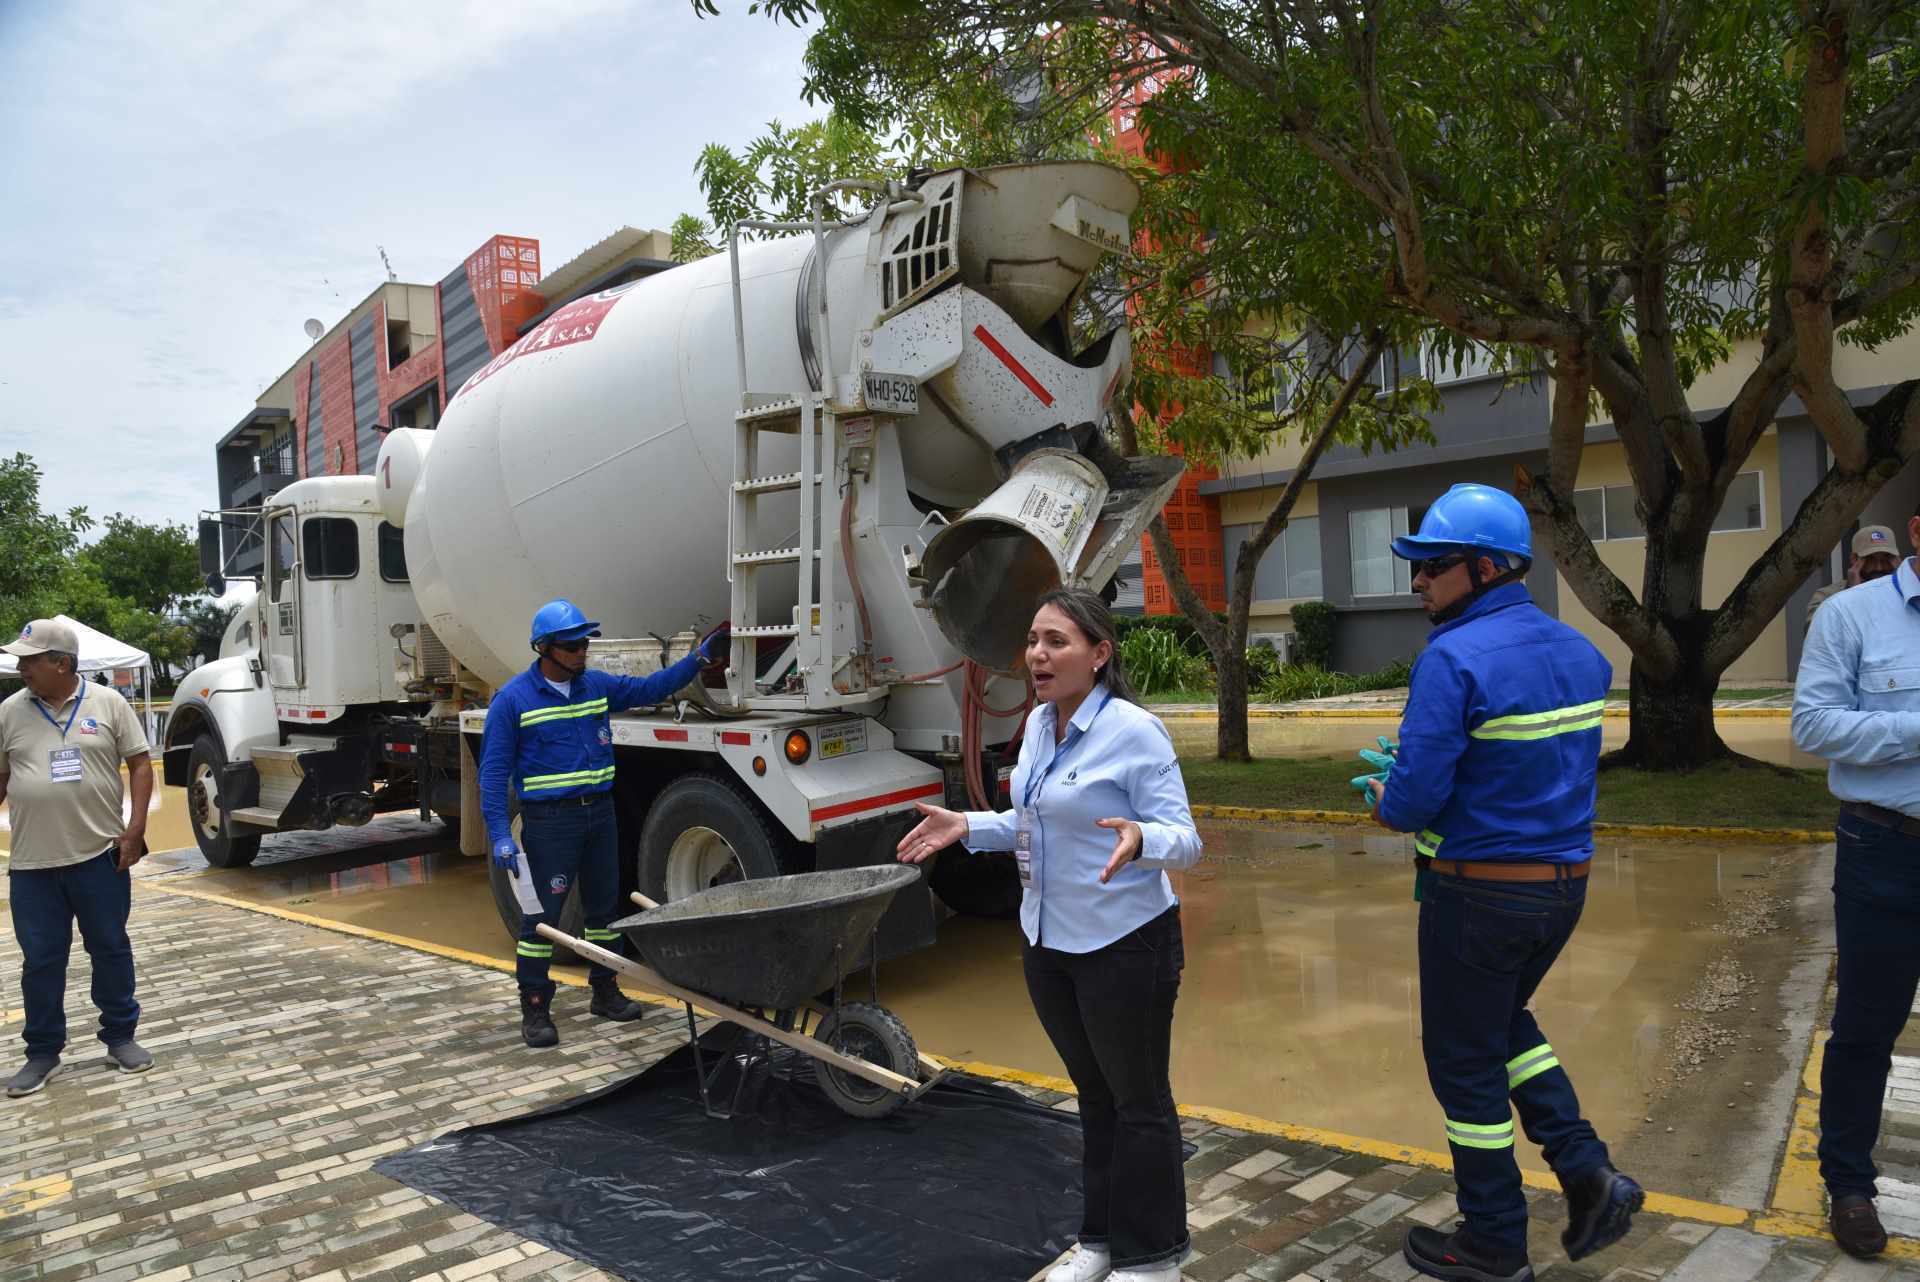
{"x":1168,"y":1272}
{"x":1086,"y":1264}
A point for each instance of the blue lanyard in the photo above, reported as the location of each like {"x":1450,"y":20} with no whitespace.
{"x":78,"y":696}
{"x":1060,"y":752}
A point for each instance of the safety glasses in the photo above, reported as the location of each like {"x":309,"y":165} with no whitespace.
{"x":1435,"y":566}
{"x":571,"y":647}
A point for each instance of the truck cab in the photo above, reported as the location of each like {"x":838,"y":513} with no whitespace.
{"x":297,"y":722}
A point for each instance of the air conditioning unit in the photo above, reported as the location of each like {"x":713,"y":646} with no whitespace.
{"x":1282,"y":643}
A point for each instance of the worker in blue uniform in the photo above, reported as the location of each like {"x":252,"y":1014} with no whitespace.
{"x":548,"y":738}
{"x":1495,"y":776}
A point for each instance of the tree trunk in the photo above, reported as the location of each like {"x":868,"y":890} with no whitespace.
{"x":1672,"y":722}
{"x":1230,"y":688}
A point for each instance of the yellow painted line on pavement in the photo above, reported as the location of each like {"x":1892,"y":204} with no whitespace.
{"x":558,"y":975}
{"x":31,"y":1195}
{"x":1644,"y":832}
{"x":1269,"y":714}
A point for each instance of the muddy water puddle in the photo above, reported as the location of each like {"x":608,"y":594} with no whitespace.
{"x":1301,"y":1000}
{"x":1768,"y":738}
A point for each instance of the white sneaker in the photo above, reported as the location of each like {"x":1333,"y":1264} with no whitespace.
{"x":1167,"y":1272}
{"x":1086,"y":1264}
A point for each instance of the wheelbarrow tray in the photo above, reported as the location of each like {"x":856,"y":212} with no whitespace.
{"x":773,"y":942}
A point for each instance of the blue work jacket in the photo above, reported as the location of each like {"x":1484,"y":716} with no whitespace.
{"x":1117,"y":762}
{"x":1500,"y":744}
{"x":549,"y":746}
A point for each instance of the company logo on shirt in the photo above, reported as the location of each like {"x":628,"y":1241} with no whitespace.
{"x":89,"y":726}
{"x":606,"y":736}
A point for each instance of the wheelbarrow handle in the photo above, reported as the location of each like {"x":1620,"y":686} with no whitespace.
{"x":643,"y":901}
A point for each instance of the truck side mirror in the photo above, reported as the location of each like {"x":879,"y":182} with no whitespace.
{"x":210,"y":557}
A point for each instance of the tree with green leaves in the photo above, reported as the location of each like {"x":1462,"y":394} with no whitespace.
{"x":1616,"y":195}
{"x":35,"y":545}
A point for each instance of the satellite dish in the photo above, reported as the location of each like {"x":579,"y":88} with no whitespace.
{"x":314,"y":329}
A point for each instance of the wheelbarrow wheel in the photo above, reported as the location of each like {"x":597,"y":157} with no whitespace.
{"x":861,"y":1030}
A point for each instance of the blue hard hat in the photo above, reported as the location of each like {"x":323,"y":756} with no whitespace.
{"x":561,"y":620}
{"x":1470,"y":516}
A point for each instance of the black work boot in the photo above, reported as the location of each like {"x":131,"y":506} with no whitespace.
{"x":1600,"y":1207}
{"x":610,"y":1003}
{"x":536,"y":1021}
{"x":1458,"y":1255}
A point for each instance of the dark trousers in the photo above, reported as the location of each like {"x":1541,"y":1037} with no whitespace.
{"x":566,"y":843}
{"x":46,"y":903}
{"x":1484,"y":948}
{"x":1110,"y":1016}
{"x":1876,"y":918}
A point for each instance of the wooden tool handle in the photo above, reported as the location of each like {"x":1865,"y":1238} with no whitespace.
{"x":643,"y":901}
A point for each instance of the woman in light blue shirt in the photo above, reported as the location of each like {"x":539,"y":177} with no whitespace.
{"x":1100,"y":812}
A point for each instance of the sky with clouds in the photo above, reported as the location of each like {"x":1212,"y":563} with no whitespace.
{"x":188,"y":181}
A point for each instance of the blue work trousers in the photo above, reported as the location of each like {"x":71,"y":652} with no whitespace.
{"x":46,"y":902}
{"x":568,"y":843}
{"x":1484,"y":948}
{"x":1876,"y":918}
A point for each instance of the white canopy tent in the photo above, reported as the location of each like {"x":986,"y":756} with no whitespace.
{"x":102,"y":653}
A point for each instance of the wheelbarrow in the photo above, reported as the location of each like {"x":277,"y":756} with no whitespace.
{"x":760,"y":954}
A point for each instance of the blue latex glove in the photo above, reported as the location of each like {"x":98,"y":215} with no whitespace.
{"x":714,"y":649}
{"x":506,"y":853}
{"x":1378,"y":760}
{"x":1361,"y":784}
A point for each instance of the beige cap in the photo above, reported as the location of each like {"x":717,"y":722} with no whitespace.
{"x":43,"y":635}
{"x":1870,"y":540}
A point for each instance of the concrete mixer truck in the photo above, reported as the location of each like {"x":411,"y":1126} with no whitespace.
{"x":868,"y":441}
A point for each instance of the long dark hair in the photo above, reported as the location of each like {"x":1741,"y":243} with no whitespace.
{"x":1090,"y":614}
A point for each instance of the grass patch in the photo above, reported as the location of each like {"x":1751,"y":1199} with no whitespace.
{"x":1209,"y":697}
{"x":1761,"y":692}
{"x":1720,"y":796}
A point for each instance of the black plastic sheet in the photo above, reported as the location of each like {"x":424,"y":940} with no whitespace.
{"x":971,"y":1181}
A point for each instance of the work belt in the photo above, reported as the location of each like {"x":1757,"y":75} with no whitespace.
{"x":1491,"y":870}
{"x":1882,"y":816}
{"x":583,"y":799}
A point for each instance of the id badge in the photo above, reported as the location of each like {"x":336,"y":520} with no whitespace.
{"x":1023,"y":851}
{"x":63,"y":765}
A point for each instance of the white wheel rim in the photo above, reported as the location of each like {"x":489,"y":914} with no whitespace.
{"x":203,"y":805}
{"x":698,"y":860}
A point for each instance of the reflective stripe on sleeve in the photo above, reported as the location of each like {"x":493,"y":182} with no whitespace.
{"x":1427,"y":842}
{"x":591,"y":708}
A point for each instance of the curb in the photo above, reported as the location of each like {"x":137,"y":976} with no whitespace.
{"x":1644,"y":832}
{"x":1285,"y":714}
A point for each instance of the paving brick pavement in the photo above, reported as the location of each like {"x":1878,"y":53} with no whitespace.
{"x":289,"y":1058}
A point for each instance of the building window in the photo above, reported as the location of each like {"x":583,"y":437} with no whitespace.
{"x":1606,"y":511}
{"x":1745,"y":508}
{"x":1298,"y":548}
{"x":1370,"y":535}
{"x":330,"y":547}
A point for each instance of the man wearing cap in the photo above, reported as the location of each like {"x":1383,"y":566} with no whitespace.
{"x":1875,"y":556}
{"x":1495,"y":776}
{"x":1856,"y":702}
{"x":549,"y":739}
{"x":62,"y":742}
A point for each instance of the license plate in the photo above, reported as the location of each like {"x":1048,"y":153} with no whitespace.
{"x":891,"y":393}
{"x":842,"y":739}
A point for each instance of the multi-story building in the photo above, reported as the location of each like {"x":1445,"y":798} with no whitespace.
{"x":1335,"y":547}
{"x":397,"y":359}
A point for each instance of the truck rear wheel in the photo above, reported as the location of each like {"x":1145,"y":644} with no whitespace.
{"x":702,"y":831}
{"x":573,"y":917}
{"x":222,"y":850}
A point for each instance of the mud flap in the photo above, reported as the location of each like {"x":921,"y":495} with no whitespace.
{"x":910,"y":921}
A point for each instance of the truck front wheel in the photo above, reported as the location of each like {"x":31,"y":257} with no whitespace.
{"x":222,"y":849}
{"x":703,"y":832}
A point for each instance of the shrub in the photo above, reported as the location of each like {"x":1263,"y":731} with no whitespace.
{"x":1156,"y":661}
{"x":1304,"y":681}
{"x":1313,"y":634}
{"x":1263,"y":663}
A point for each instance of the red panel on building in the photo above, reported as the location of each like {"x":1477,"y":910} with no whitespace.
{"x":302,"y":378}
{"x":334,"y":369}
{"x":503,"y":273}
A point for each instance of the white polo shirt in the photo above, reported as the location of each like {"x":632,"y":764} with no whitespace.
{"x":62,"y":765}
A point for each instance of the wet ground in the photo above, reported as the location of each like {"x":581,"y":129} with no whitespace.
{"x":1687,"y":994}
{"x":1768,"y":738}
